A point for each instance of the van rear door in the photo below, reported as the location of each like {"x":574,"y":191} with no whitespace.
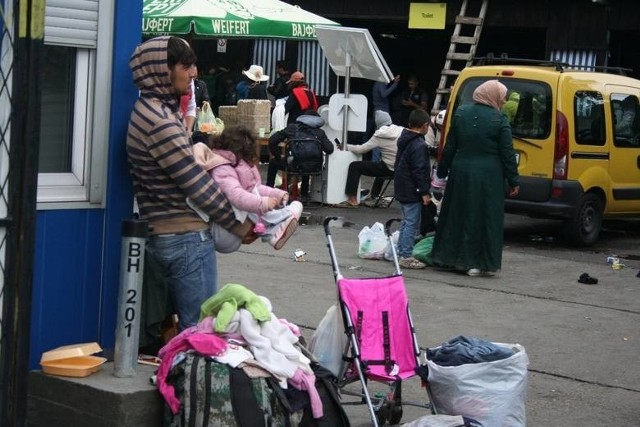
{"x":529,"y":107}
{"x":623,"y":141}
{"x":533,"y":136}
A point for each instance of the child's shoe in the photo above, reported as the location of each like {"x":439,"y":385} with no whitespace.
{"x":283,"y":231}
{"x":296,"y":209}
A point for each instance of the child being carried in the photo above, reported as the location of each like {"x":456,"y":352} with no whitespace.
{"x":232,"y":161}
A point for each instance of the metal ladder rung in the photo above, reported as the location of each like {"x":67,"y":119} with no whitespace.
{"x":443,"y":91}
{"x":456,"y":56}
{"x":464,"y":40}
{"x":449,"y":72}
{"x":469,"y":20}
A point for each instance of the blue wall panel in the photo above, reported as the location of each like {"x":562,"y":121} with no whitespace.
{"x":77,"y":257}
{"x":66,"y":285}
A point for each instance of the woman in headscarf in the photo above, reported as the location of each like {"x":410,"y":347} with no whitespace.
{"x":478,"y":158}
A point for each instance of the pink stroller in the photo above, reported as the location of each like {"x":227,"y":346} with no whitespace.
{"x":382,"y":344}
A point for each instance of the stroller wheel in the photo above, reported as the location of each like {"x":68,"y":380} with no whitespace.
{"x":395,"y":414}
{"x":382,"y":414}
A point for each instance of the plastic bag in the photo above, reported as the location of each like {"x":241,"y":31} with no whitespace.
{"x":208,"y":122}
{"x":422,"y":250}
{"x":372,"y":242}
{"x":329,"y":340}
{"x":493,"y":393}
{"x":388,"y":255}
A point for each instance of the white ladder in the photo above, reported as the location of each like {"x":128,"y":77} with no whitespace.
{"x":457,"y":59}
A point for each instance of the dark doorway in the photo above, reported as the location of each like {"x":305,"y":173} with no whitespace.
{"x":423,"y":52}
{"x":622,"y":53}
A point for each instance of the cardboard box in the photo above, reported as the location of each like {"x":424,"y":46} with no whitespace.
{"x":228,"y":114}
{"x":72,"y":360}
{"x":255,"y":114}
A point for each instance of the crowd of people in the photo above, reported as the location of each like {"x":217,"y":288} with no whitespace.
{"x":207,"y":197}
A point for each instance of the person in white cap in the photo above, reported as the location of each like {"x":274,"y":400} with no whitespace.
{"x":252,"y":85}
{"x":385,"y":139}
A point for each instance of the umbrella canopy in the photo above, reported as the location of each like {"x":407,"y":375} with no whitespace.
{"x":230,"y":19}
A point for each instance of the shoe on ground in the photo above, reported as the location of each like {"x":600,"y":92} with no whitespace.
{"x":283,"y":232}
{"x":411,"y":263}
{"x":473,"y":272}
{"x":478,"y":272}
{"x":371,"y":203}
{"x":345,"y":204}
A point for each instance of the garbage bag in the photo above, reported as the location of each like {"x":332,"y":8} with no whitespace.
{"x":493,"y":393}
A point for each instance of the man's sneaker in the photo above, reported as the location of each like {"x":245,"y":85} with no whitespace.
{"x":411,"y":262}
{"x":283,"y":231}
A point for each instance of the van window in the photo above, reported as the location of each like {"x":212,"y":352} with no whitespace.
{"x":626,"y":120}
{"x":588,"y":110}
{"x":528,"y":105}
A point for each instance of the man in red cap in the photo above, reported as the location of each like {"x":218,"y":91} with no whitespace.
{"x":301,"y":97}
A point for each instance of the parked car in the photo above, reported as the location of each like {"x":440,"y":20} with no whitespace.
{"x":577,"y":138}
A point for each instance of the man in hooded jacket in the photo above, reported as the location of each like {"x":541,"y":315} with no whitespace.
{"x":165,"y":174}
{"x":386,"y":140}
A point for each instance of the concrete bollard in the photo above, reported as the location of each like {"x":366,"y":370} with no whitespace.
{"x":134,"y":235}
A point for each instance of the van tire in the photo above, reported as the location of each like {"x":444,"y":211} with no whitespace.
{"x":584,"y":228}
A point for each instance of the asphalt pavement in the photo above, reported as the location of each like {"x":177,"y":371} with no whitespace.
{"x":582,"y":340}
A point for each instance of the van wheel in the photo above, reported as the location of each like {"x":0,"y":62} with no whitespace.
{"x":584,"y":228}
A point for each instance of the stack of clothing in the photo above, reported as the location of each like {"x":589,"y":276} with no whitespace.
{"x":238,"y":328}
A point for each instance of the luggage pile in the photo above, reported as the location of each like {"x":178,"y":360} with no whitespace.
{"x":242,"y":366}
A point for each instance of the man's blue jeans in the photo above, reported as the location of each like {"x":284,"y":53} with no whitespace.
{"x":188,"y":263}
{"x":408,"y":228}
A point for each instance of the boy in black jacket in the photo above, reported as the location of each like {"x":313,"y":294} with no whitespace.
{"x":411,"y":184}
{"x":307,"y":126}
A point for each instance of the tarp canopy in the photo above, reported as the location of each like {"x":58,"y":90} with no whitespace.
{"x":230,"y":19}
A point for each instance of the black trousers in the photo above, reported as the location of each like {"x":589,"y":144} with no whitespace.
{"x":366,"y":168}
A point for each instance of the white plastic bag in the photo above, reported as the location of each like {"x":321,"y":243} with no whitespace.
{"x":329,"y":340}
{"x":492,"y":393}
{"x":372,"y":242}
{"x":208,"y":122}
{"x":388,"y":255}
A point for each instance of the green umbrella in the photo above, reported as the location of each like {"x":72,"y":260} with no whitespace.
{"x":230,"y":19}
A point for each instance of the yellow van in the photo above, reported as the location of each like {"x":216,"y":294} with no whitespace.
{"x":577,"y":139}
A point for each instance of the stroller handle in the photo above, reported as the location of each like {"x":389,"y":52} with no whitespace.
{"x":326,"y":222}
{"x":387,"y":225}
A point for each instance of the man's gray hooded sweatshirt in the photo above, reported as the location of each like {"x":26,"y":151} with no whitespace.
{"x":160,"y":154}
